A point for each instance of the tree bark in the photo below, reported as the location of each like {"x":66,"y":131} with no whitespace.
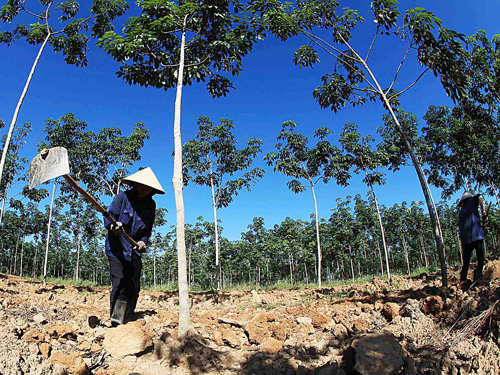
{"x":352,"y":266}
{"x":3,"y":205}
{"x":177,"y":182}
{"x":380,"y":256}
{"x":19,"y":104}
{"x":22,"y":254}
{"x":15,"y":254}
{"x":407,"y":258}
{"x":423,"y":249}
{"x":218,"y":268}
{"x":78,"y":248}
{"x":48,"y":234}
{"x":317,"y":234}
{"x":382,"y":231}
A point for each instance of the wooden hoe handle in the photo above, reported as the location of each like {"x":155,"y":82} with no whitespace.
{"x":96,"y":204}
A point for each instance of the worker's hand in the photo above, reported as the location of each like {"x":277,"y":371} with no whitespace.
{"x":116,"y":228}
{"x":141,"y":247}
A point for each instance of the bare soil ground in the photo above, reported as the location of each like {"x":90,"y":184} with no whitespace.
{"x":410,"y":327}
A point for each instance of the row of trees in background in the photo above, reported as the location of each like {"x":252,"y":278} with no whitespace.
{"x":264,"y":256}
{"x":360,"y":237}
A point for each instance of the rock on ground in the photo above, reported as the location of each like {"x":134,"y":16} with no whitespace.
{"x":128,"y":339}
{"x":378,"y":353}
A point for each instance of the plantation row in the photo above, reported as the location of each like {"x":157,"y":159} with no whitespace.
{"x":350,"y":241}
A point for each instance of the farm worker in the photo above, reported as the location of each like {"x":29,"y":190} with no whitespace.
{"x":134,"y":212}
{"x":471,"y":233}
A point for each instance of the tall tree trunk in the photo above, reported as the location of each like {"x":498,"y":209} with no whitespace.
{"x":218,"y":268}
{"x":19,"y":104}
{"x":305,"y":270}
{"x":177,"y":181}
{"x":22,"y":254}
{"x":418,"y":168}
{"x":407,"y":258}
{"x":3,"y":205}
{"x":78,"y":248}
{"x":291,"y":269}
{"x":380,"y":256}
{"x":423,"y":249}
{"x":48,"y":234}
{"x":317,"y":234}
{"x":382,"y":231}
{"x":352,"y":266}
{"x":15,"y":254}
{"x":35,"y":258}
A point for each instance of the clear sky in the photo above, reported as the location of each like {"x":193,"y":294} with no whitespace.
{"x":270,"y":90}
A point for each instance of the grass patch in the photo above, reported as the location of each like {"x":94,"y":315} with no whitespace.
{"x":164,"y":288}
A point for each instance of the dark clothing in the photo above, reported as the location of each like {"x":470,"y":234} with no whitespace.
{"x":125,"y":264}
{"x":125,"y":281}
{"x":469,"y":223}
{"x":471,"y":236}
{"x":137,"y":217}
{"x":480,"y":254}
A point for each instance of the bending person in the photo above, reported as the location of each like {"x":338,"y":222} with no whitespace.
{"x":471,"y":233}
{"x":134,"y":212}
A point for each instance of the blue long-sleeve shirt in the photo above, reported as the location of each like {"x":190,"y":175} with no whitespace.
{"x":137,"y":216}
{"x":469,"y":223}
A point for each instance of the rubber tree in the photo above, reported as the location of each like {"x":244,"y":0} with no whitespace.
{"x":367,"y":161}
{"x":213,"y":160}
{"x":171,"y":45}
{"x":345,"y":229}
{"x":256,"y":253}
{"x":111,"y":157}
{"x":70,"y":38}
{"x":295,"y":159}
{"x":159,"y":221}
{"x":14,"y":164}
{"x":436,"y":49}
{"x":461,"y":153}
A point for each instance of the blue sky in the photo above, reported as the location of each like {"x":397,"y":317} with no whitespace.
{"x":270,"y":90}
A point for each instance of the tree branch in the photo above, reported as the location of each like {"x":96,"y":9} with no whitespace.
{"x":399,"y":68}
{"x":409,"y":87}
{"x":315,"y":38}
{"x":373,"y":42}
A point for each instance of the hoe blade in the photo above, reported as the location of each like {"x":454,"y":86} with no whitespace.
{"x":47,"y":165}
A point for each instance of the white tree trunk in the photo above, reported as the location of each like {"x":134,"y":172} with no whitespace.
{"x":22,"y":254}
{"x":3,"y":205}
{"x":407,"y":258}
{"x":382,"y":231}
{"x":317,"y":234}
{"x":184,"y":316}
{"x":48,"y":234}
{"x":78,"y":247}
{"x":19,"y":104}
{"x":218,"y":268}
{"x":380,"y":256}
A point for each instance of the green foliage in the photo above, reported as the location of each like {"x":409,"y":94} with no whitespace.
{"x":71,"y":38}
{"x":149,"y":50}
{"x":297,"y":160}
{"x":212,"y":159}
{"x":98,"y":160}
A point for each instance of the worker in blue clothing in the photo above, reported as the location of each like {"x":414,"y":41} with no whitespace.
{"x":134,"y":212}
{"x":471,"y":233}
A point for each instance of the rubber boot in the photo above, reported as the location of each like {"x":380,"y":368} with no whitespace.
{"x":118,"y":315}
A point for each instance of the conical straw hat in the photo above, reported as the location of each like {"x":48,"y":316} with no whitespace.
{"x":145,"y":177}
{"x":465,"y":196}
